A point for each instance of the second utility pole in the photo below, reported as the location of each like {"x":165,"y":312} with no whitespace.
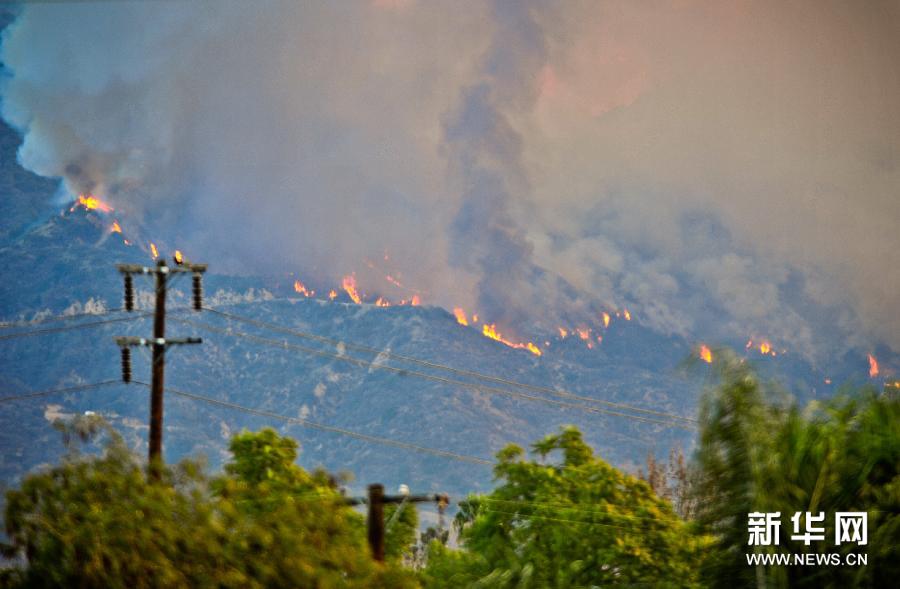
{"x":375,"y":520}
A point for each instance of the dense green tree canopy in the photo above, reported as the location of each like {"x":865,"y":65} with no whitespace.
{"x":760,"y":452}
{"x":571,"y":522}
{"x":561,"y":518}
{"x":96,"y":521}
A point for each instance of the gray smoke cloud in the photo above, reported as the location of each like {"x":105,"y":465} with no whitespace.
{"x":721,"y":169}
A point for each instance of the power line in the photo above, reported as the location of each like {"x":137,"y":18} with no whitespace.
{"x":9,"y":336}
{"x":55,"y":318}
{"x":64,"y":390}
{"x":324,"y":427}
{"x":460,"y":371}
{"x":431,"y":377}
{"x":559,"y":507}
{"x":423,"y":375}
{"x":570,"y":521}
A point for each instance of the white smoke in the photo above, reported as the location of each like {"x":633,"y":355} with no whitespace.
{"x":719,"y":168}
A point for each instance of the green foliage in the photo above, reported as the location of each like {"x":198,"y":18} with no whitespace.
{"x":759,"y":452}
{"x":96,"y":521}
{"x":577,"y":522}
{"x":400,"y":536}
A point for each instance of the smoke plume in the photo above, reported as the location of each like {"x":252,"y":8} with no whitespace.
{"x":721,"y":169}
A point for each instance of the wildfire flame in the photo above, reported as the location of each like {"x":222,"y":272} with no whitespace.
{"x":705,"y":354}
{"x":764,"y":347}
{"x":91,"y":203}
{"x":115,"y":227}
{"x":153,"y":251}
{"x":349,"y":286}
{"x":873,"y":366}
{"x":490,"y":330}
{"x":533,"y":349}
{"x":179,"y":257}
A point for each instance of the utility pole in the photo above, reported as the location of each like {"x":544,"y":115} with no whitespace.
{"x":158,"y":343}
{"x":158,"y":366}
{"x":375,"y":520}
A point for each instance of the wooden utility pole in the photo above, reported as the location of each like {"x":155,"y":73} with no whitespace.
{"x":375,"y":520}
{"x":158,"y":372}
{"x":158,"y":343}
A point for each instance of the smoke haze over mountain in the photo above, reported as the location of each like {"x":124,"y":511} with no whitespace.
{"x":723,"y":169}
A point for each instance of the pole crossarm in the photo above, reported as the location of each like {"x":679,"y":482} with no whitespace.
{"x":130,"y":341}
{"x":431,"y":498}
{"x":185,"y":268}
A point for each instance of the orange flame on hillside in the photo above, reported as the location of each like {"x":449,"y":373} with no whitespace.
{"x":460,"y":316}
{"x":583,"y":333}
{"x":332,"y":295}
{"x":382,"y":302}
{"x":115,"y":227}
{"x":415,"y":301}
{"x":563,"y":333}
{"x":764,"y":348}
{"x":301,"y":288}
{"x":627,"y":315}
{"x":153,"y":251}
{"x":533,"y":349}
{"x":91,"y":203}
{"x":605,"y":319}
{"x":491,"y":332}
{"x":349,"y":286}
{"x":705,"y":354}
{"x":873,"y":366}
{"x":179,"y":257}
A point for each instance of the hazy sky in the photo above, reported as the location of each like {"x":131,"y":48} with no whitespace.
{"x":723,"y":169}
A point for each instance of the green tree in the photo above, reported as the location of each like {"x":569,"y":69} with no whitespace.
{"x":575,"y":522}
{"x":400,"y":533}
{"x":760,"y":452}
{"x":96,"y":521}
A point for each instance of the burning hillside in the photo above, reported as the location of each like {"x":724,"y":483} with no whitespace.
{"x":390,"y":291}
